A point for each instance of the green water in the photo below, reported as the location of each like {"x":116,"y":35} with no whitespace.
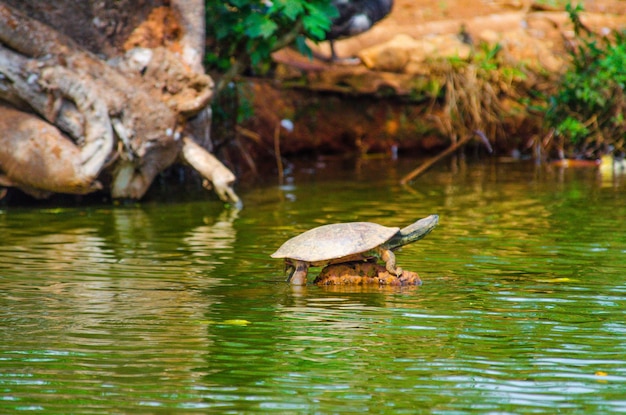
{"x":177,"y":308}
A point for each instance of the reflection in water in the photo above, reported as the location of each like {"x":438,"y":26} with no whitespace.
{"x":219,"y":236}
{"x":177,"y":308}
{"x":108,"y":291}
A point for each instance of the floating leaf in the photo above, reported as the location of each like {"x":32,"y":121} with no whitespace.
{"x":236,"y":322}
{"x":561,"y":279}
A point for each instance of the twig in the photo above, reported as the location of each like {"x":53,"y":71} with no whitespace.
{"x":279,"y":160}
{"x":428,"y":163}
{"x":249,"y":134}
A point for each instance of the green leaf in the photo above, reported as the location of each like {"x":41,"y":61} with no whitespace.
{"x":258,"y":25}
{"x":290,"y":8}
{"x":316,"y":25}
{"x":303,"y":47}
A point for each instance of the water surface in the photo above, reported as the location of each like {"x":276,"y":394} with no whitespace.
{"x":177,"y":307}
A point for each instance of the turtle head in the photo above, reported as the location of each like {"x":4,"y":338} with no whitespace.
{"x":414,"y":232}
{"x":290,"y":268}
{"x":296,"y":271}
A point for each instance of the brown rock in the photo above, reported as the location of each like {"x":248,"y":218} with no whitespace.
{"x":403,"y":50}
{"x":391,"y":56}
{"x":520,"y":46}
{"x":364,"y":273}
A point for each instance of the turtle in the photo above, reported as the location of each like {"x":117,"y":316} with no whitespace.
{"x":346,"y":242}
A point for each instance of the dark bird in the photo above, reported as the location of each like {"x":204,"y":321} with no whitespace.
{"x":355,"y":17}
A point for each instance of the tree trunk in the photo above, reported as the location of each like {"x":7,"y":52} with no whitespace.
{"x":126,"y":116}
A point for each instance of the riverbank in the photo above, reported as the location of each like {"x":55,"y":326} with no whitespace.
{"x":428,"y":75}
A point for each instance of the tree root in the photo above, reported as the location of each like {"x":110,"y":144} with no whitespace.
{"x":141,"y":101}
{"x":36,"y":157}
{"x":211,"y":169}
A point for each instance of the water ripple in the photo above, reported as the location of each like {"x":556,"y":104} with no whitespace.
{"x":176,"y":309}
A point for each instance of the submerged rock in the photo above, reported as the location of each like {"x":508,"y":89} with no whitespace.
{"x":364,"y":273}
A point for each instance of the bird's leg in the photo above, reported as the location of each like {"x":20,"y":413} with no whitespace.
{"x":333,"y":54}
{"x":299,"y":273}
{"x":334,"y":58}
{"x":390,"y":261}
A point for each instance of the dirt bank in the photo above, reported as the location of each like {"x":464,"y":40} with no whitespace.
{"x":390,"y":101}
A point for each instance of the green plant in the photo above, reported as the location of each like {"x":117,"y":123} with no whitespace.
{"x":243,"y":33}
{"x":587,"y":108}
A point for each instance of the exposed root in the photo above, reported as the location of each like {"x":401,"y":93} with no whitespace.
{"x":211,"y":169}
{"x":478,"y":96}
{"x":143,"y":100}
{"x":36,"y":157}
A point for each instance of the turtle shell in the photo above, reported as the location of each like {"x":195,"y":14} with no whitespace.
{"x":334,"y":241}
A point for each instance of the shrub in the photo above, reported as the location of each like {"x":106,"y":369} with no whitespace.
{"x":587,"y":109}
{"x":246,"y":32}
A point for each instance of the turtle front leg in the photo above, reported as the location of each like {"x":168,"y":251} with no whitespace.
{"x":390,"y":261}
{"x":299,"y":273}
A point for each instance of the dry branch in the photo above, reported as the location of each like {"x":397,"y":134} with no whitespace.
{"x":445,"y":153}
